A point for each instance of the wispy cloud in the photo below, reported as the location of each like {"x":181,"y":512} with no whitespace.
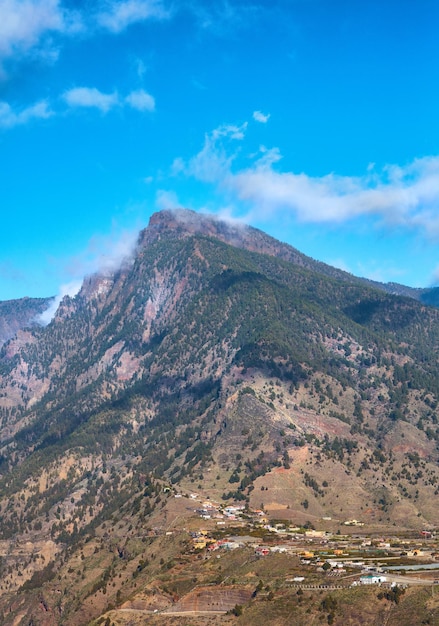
{"x":166,"y":200}
{"x":213,"y":164}
{"x":406,"y":196}
{"x":258,"y":116}
{"x":10,"y":118}
{"x":141,"y":68}
{"x":223,"y":16}
{"x":104,"y":254}
{"x":38,"y":26}
{"x":141,"y":100}
{"x":90,"y":97}
{"x":26,"y":24}
{"x":232,"y":131}
{"x":69,"y":289}
{"x":117,"y":16}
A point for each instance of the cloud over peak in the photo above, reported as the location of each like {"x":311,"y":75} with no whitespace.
{"x":104,"y":255}
{"x":69,"y":289}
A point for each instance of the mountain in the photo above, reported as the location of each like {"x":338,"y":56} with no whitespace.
{"x":18,"y":314}
{"x":218,"y":360}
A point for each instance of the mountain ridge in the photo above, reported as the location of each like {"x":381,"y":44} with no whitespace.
{"x":185,"y":223}
{"x":241,"y":235}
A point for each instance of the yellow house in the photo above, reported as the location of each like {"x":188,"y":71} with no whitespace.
{"x":307,"y":555}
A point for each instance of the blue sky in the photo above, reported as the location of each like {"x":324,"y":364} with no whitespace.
{"x":314,"y":120}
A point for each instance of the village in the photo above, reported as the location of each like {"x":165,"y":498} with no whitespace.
{"x":347,"y":559}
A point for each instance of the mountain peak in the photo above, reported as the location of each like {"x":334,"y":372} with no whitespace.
{"x":177,"y":223}
{"x":185,"y":222}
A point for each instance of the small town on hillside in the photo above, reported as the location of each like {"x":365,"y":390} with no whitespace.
{"x":344,"y":559}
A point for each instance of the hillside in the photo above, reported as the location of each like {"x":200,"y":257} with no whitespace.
{"x":218,"y":361}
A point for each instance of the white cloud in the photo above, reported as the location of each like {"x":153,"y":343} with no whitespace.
{"x":10,"y":118}
{"x":24,"y":24}
{"x":407,"y":196}
{"x":69,"y":289}
{"x":91,"y":97}
{"x":141,"y":100}
{"x":117,"y":16}
{"x":261,"y":117}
